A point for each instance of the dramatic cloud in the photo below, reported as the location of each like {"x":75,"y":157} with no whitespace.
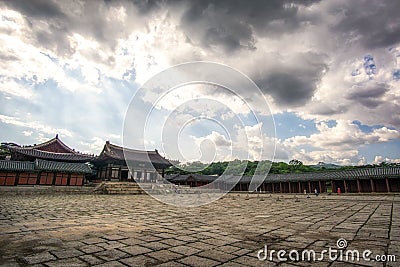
{"x":72,"y":66}
{"x":292,"y":81}
{"x":233,"y":25}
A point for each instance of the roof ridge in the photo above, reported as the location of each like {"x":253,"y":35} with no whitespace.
{"x":49,"y":152}
{"x":16,"y":161}
{"x":130,"y":149}
{"x":49,"y":142}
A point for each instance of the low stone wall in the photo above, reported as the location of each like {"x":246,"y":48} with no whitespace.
{"x":40,"y":189}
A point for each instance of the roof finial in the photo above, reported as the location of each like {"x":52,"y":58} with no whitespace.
{"x":56,"y":136}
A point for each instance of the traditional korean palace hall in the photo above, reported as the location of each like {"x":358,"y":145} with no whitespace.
{"x":49,"y":163}
{"x":146,"y":166}
{"x":53,"y":163}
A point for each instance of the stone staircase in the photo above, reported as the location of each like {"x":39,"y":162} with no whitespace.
{"x":118,"y":188}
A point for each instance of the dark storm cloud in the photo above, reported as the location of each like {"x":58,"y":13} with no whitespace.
{"x":288,"y":89}
{"x":293,"y":83}
{"x":36,"y":8}
{"x":368,"y":95}
{"x":55,"y":38}
{"x":234,"y":24}
{"x":375,"y":23}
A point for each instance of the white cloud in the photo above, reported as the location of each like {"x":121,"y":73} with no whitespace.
{"x":96,"y":144}
{"x":379,"y":159}
{"x":338,"y":144}
{"x":345,"y":135}
{"x":35,"y":125}
{"x":10,"y":87}
{"x":27,"y":133}
{"x":218,"y":139}
{"x":213,"y":147}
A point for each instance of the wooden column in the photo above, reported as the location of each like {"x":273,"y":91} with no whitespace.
{"x":299,"y":187}
{"x":16,"y":178}
{"x":387,"y":185}
{"x":372,"y":185}
{"x":280,"y":186}
{"x":309,"y":187}
{"x":320,"y":187}
{"x":54,"y":179}
{"x":345,"y":186}
{"x":38,"y":178}
{"x":358,"y":186}
{"x":273,"y":188}
{"x":333,"y":187}
{"x":290,"y":188}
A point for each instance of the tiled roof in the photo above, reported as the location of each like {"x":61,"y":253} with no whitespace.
{"x":44,"y":165}
{"x":120,"y":153}
{"x":10,"y":165}
{"x":52,"y":145}
{"x":39,"y":154}
{"x":55,"y":166}
{"x":54,"y":149}
{"x":361,"y":173}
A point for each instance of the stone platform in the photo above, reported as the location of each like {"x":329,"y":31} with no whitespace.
{"x":136,"y":230}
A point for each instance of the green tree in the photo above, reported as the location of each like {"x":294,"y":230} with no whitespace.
{"x":4,"y":152}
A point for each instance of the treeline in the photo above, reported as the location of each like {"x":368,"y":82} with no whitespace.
{"x":245,"y":167}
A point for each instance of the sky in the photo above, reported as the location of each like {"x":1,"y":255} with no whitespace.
{"x":329,"y":71}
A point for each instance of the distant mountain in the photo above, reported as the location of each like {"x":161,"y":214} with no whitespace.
{"x":324,"y":165}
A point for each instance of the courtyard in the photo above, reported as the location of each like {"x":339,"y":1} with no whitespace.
{"x":136,"y":230}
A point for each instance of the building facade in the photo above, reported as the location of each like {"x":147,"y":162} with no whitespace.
{"x":147,"y":166}
{"x":362,"y":180}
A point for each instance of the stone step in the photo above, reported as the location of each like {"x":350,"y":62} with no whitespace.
{"x":119,"y":188}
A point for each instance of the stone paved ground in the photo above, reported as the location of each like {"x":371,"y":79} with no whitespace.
{"x":136,"y":230}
